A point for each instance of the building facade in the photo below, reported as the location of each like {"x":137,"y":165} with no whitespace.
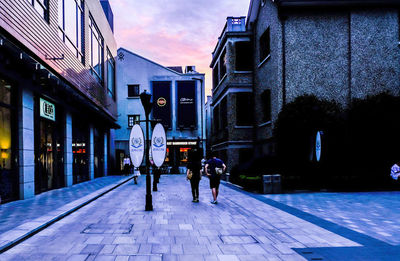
{"x":57,"y":102}
{"x":232,"y":109}
{"x":178,"y":102}
{"x":335,"y":50}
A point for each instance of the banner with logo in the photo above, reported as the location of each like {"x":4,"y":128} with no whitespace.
{"x":187,"y":112}
{"x":162,"y":102}
{"x":47,"y":110}
{"x":158,"y":145}
{"x":136,"y":145}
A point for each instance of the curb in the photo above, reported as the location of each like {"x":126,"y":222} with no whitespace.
{"x":18,"y":234}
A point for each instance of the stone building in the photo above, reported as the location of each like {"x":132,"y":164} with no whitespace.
{"x":232,"y":121}
{"x":178,"y":101}
{"x":57,"y":95}
{"x":336,"y":50}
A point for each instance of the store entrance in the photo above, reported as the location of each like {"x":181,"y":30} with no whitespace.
{"x":49,"y":150}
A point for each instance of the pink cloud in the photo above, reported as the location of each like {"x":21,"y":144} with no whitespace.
{"x":174,"y":32}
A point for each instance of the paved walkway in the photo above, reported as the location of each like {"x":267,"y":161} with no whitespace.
{"x":20,"y":218}
{"x":240,"y":227}
{"x":376,"y":214}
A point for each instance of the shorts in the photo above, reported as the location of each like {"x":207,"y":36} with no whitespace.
{"x":214,"y":182}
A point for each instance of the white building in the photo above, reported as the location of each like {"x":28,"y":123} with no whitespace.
{"x":178,"y":101}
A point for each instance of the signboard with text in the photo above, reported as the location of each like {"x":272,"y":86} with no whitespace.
{"x":47,"y":110}
{"x":187,"y":113}
{"x":136,"y":145}
{"x":158,"y":145}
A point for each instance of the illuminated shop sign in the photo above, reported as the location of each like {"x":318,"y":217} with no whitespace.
{"x":161,"y":102}
{"x":47,"y":110}
{"x":181,"y":143}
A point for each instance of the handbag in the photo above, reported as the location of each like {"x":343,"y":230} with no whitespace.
{"x":189,"y":175}
{"x":219,"y":171}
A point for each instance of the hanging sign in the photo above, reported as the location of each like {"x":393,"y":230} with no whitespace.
{"x":47,"y":110}
{"x":136,"y":145}
{"x":158,"y":145}
{"x":318,"y":146}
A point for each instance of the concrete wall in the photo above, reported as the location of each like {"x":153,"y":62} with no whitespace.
{"x":335,"y":55}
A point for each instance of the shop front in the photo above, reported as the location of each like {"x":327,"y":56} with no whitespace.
{"x":49,"y":145}
{"x":80,"y":150}
{"x":177,"y":153}
{"x":8,"y":171}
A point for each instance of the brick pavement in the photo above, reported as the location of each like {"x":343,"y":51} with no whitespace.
{"x":240,"y":227}
{"x":20,"y":218}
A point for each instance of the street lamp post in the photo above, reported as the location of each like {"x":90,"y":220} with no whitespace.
{"x":145,"y":98}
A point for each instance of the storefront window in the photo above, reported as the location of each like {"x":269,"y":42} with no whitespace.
{"x":5,"y":125}
{"x":184,"y":154}
{"x":8,"y":176}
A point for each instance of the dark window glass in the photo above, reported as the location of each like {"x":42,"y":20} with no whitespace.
{"x":245,"y":155}
{"x":70,"y":15}
{"x":133,"y":90}
{"x":96,"y":55}
{"x":223,"y":114}
{"x":110,"y":75}
{"x":215,"y":76}
{"x":243,"y":109}
{"x":266,"y":105}
{"x":265,"y":45}
{"x":216,"y":118}
{"x":243,"y":56}
{"x":133,"y":119}
{"x":222,"y":64}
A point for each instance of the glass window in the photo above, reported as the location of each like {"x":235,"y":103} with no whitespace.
{"x":133,"y":90}
{"x":110,"y":75}
{"x":243,"y":56}
{"x":70,"y":15}
{"x":133,"y":119}
{"x":265,"y":45}
{"x":5,"y":125}
{"x":96,"y":42}
{"x":243,"y":109}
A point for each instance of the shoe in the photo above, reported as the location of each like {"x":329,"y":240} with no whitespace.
{"x":214,"y":202}
{"x":196,"y":200}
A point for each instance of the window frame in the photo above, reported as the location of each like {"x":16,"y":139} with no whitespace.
{"x":93,"y":28}
{"x":265,"y":51}
{"x":138,"y":90}
{"x":45,"y":5}
{"x":111,"y":62}
{"x":78,"y":50}
{"x":133,"y":117}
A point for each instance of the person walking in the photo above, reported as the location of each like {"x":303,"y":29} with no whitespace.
{"x":194,"y":166}
{"x":214,"y":168}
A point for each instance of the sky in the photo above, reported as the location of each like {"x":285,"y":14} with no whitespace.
{"x":174,"y":32}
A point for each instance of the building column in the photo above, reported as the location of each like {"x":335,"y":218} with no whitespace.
{"x":26,"y":145}
{"x":68,"y":157}
{"x":91,"y":152}
{"x":105,"y":154}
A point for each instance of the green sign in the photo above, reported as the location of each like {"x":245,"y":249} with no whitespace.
{"x":47,"y":110}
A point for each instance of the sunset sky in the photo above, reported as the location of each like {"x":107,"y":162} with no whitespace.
{"x":174,"y":32}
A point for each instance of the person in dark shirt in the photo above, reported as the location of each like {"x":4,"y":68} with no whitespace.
{"x":194,"y":165}
{"x":215,"y":178}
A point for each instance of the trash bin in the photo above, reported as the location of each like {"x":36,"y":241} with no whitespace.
{"x":227,"y":177}
{"x":267,"y":184}
{"x":276,"y":184}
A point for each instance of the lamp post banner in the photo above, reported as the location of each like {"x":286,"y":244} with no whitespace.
{"x":136,"y":145}
{"x":158,"y":145}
